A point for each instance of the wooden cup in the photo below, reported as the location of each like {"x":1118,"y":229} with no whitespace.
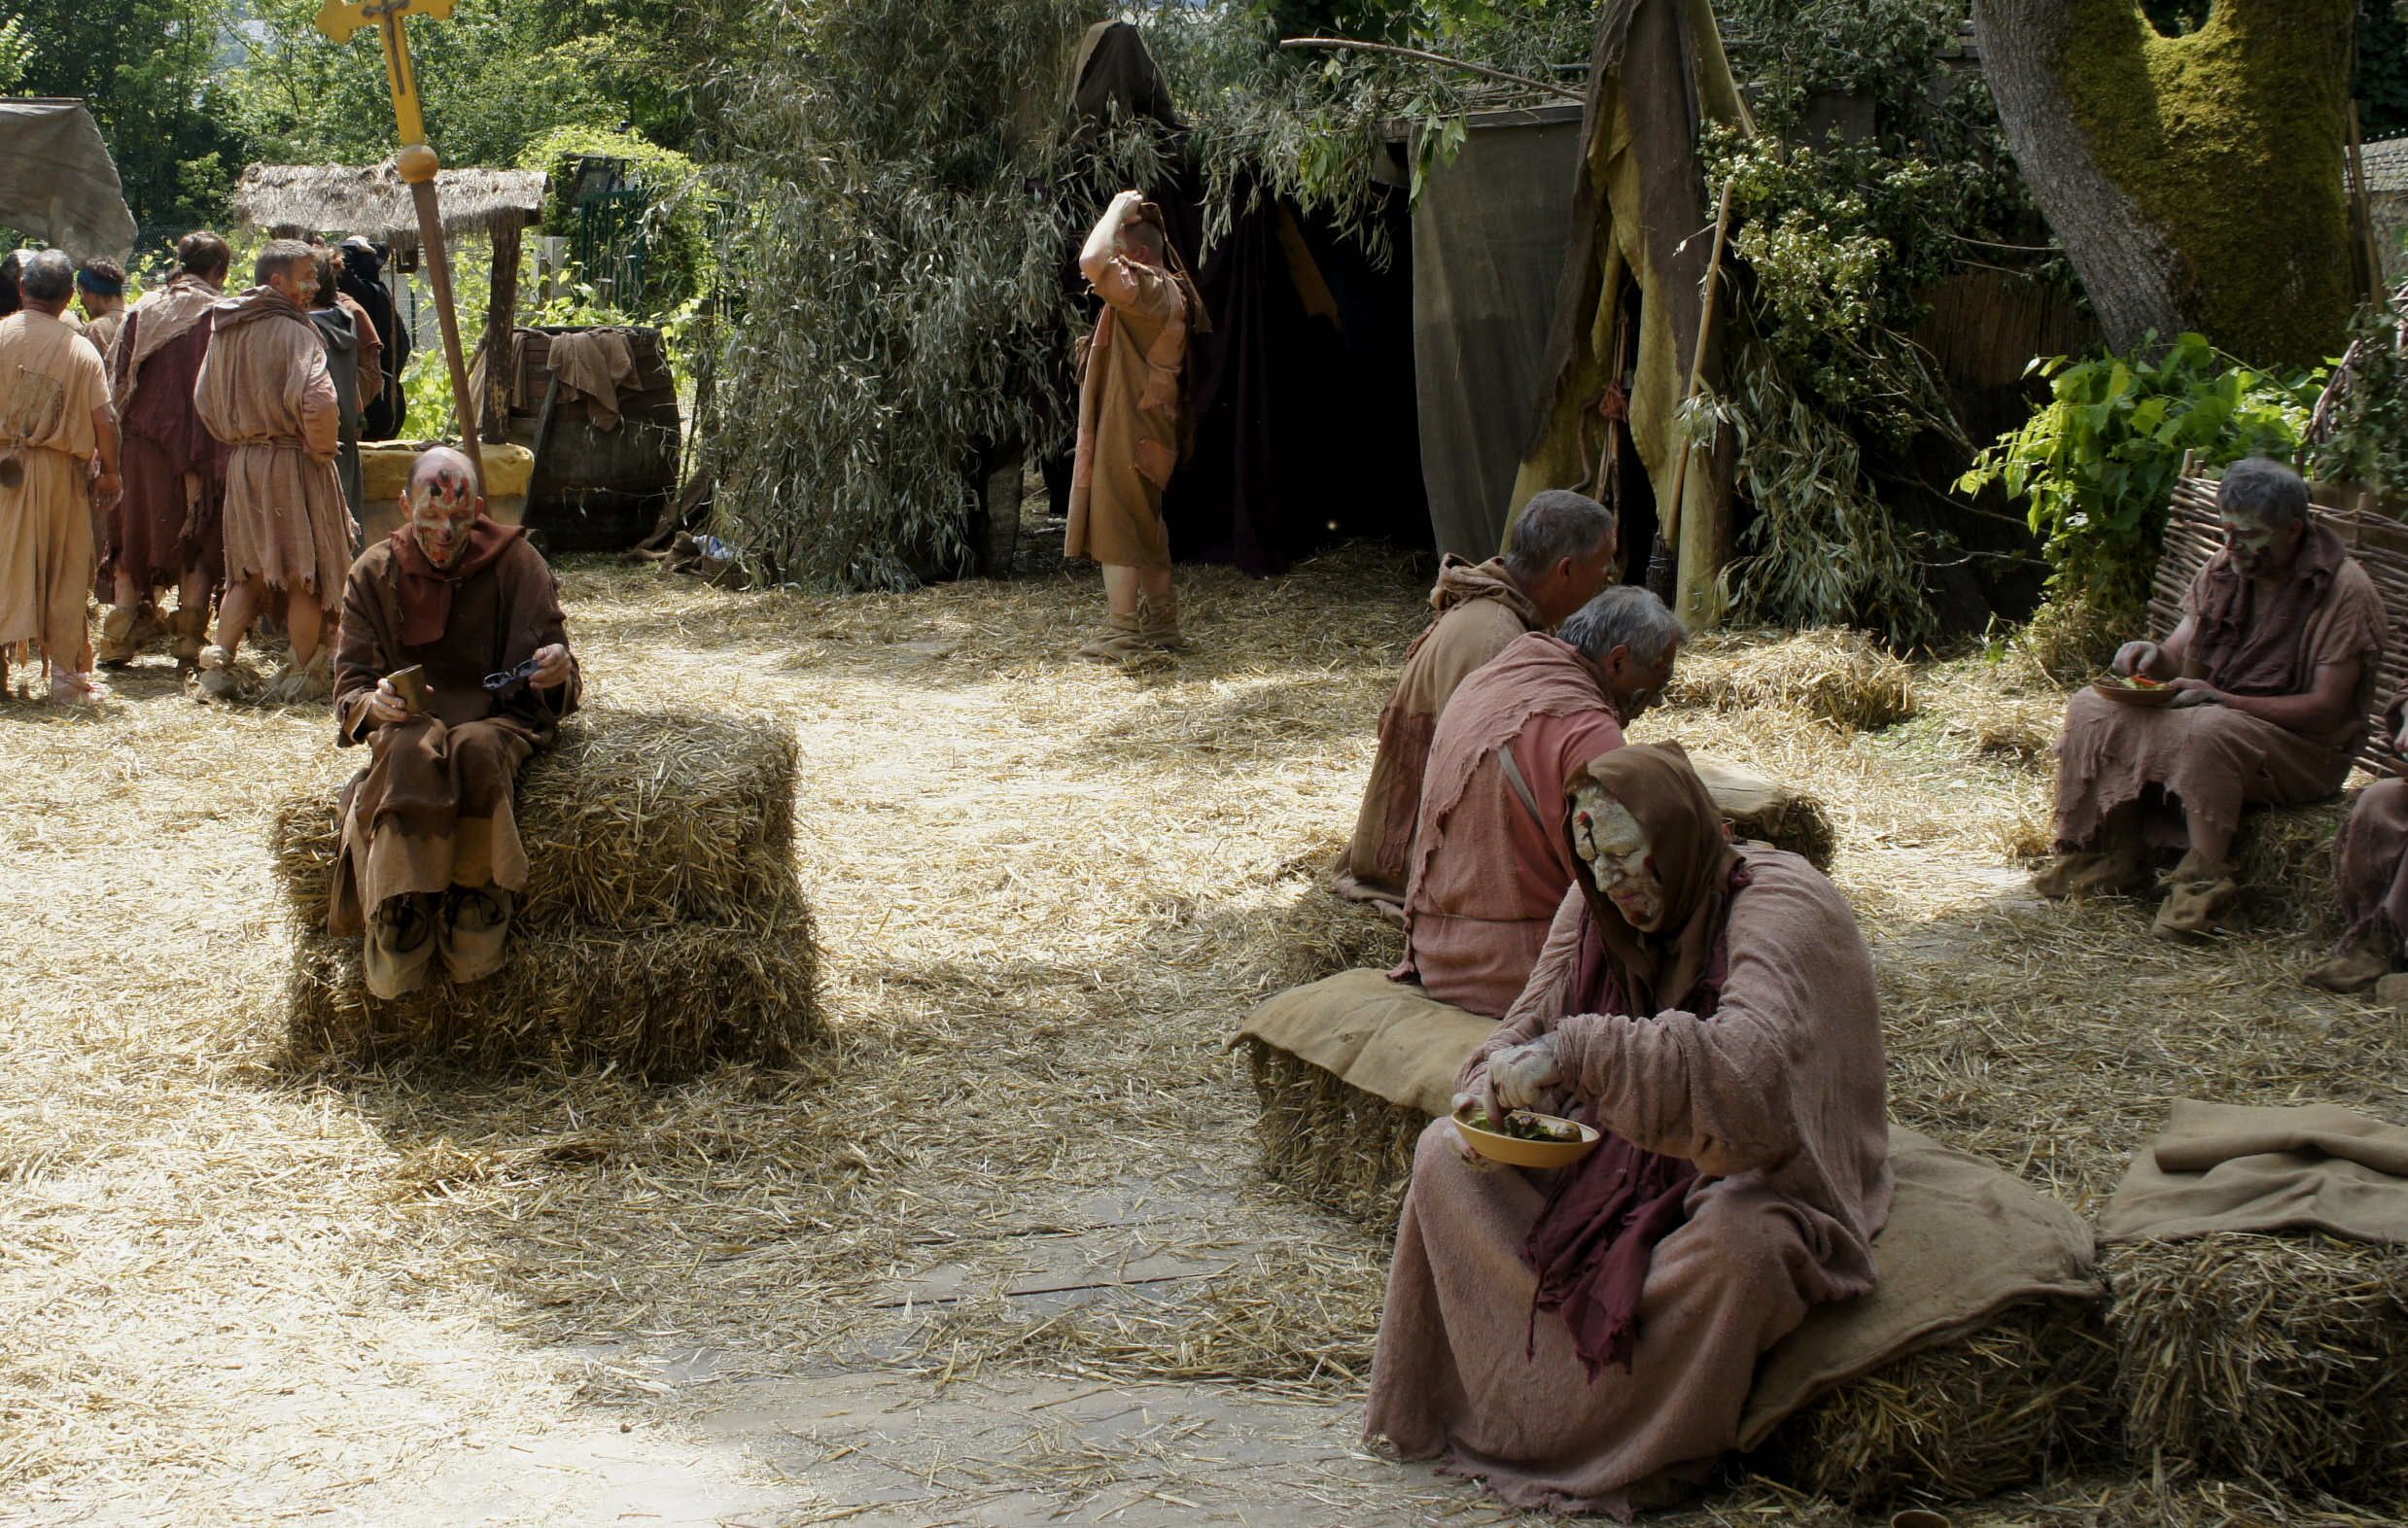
{"x":410,"y":684}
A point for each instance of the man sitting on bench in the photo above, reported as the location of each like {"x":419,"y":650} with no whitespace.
{"x":2274,"y":664}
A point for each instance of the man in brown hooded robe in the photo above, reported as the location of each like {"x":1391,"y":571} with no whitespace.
{"x":1130,"y":406}
{"x":1563,"y":553}
{"x":1585,"y":1340}
{"x":56,"y":427}
{"x":265,"y":393}
{"x":163,"y":532}
{"x":1489,"y":865}
{"x":2370,"y":876}
{"x":2272,"y":667}
{"x":432,"y":861}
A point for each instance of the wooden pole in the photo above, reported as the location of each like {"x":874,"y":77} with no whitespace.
{"x":1697,"y":543}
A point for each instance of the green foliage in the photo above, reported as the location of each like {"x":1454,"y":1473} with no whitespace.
{"x":2366,"y":425}
{"x":681,"y":262}
{"x":2380,"y":85}
{"x":2098,"y":462}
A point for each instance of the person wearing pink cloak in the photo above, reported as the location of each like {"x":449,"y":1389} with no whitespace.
{"x":1488,"y":866}
{"x":1586,"y":1339}
{"x":2370,"y":876}
{"x":1563,"y":546}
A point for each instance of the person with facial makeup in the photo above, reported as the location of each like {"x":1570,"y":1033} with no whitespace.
{"x":1487,"y":867}
{"x":266,"y":393}
{"x":2274,"y":666}
{"x":431,"y":862}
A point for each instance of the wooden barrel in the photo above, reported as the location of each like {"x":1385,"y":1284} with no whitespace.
{"x":595,"y":489}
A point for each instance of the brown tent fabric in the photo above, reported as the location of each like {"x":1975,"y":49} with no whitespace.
{"x":1639,"y":217}
{"x":57,"y":182}
{"x":2222,"y":1168}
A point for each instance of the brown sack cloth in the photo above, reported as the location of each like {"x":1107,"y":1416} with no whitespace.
{"x":1384,"y":1038}
{"x":1965,"y":1241}
{"x":597,"y":367}
{"x":2238,"y":1167}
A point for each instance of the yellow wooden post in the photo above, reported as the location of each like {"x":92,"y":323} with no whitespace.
{"x":416,"y":163}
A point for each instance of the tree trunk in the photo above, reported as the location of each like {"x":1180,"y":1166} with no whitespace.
{"x":2194,"y":182}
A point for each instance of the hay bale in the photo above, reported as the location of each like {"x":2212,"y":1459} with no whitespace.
{"x":1835,"y":674}
{"x":2284,"y":855}
{"x":2269,"y":1357}
{"x":1765,"y":809}
{"x":1343,"y":1149}
{"x":1959,"y":1420}
{"x":633,"y":816}
{"x":659,"y":1001}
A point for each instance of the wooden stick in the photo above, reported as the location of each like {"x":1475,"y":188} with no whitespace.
{"x":1351,"y":45}
{"x":1668,"y":518}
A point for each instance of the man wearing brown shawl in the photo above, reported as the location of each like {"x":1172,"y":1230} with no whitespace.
{"x":1563,"y":547}
{"x":1585,"y":1340}
{"x":163,"y":532}
{"x":432,"y":861}
{"x":2273,"y":665}
{"x":265,"y":391}
{"x":1128,"y":418}
{"x":2370,"y":876}
{"x":56,"y":427}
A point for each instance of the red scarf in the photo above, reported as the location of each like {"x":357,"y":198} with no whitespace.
{"x":426,"y":590}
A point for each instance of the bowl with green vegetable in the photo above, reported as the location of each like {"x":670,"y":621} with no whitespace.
{"x":1525,"y":1139}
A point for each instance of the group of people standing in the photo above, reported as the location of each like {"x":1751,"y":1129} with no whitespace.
{"x":197,"y":441}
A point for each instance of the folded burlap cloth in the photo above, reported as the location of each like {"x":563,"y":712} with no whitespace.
{"x":2237,"y":1167}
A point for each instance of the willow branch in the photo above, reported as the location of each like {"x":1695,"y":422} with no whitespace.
{"x":1350,"y":43}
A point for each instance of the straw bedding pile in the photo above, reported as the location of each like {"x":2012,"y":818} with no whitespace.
{"x":662,"y":928}
{"x":1961,"y":1420}
{"x":1835,"y":674}
{"x":2265,"y":1357}
{"x":1339,"y":1146}
{"x":2284,"y":855}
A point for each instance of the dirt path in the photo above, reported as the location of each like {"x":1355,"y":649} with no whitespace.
{"x":1001,"y":1257}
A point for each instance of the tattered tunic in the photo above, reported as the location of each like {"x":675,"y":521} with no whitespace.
{"x":2370,"y":858}
{"x":264,"y":391}
{"x":435,"y":807}
{"x":1480,"y":610}
{"x":52,"y":386}
{"x":2209,"y":761}
{"x":1128,"y":418}
{"x":165,"y":522}
{"x":1777,"y":1101}
{"x":1490,"y":861}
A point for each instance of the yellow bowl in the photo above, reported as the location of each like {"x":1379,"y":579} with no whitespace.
{"x":1516,"y":1152}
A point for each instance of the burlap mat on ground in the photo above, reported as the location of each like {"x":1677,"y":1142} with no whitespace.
{"x":1965,"y":1241}
{"x":1388,"y":1039}
{"x":2237,"y":1167}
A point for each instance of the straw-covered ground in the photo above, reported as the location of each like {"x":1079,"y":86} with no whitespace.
{"x":999,"y":1252}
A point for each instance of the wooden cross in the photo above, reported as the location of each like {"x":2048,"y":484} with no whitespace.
{"x":416,"y":163}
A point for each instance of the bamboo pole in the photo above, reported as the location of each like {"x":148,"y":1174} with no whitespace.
{"x":1699,"y":556}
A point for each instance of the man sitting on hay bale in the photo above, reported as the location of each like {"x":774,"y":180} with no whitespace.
{"x":430,"y":856}
{"x":1490,"y":867}
{"x":2370,"y":876}
{"x":2272,"y":667}
{"x":1563,"y":551}
{"x":1586,"y":1339}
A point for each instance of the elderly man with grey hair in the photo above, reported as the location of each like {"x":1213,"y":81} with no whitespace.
{"x":1489,"y":859}
{"x":2270,"y":670}
{"x":57,"y":458}
{"x":1561,"y":554}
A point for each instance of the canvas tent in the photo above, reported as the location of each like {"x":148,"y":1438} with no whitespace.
{"x":1631,"y":287}
{"x":58,"y":183}
{"x":1489,"y":234}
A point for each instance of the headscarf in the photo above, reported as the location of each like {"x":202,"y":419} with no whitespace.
{"x":1594,"y":1242}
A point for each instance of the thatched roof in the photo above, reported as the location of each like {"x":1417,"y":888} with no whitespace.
{"x":371,"y":201}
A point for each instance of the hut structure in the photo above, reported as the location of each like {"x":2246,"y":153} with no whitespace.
{"x":298,"y":200}
{"x":57,"y":182}
{"x":2387,"y":195}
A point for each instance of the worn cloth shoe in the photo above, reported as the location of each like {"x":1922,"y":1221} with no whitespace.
{"x":476,"y":924}
{"x":1157,"y":624}
{"x":218,"y":680}
{"x":2087,"y":873}
{"x":2362,"y":959}
{"x":2196,"y":903}
{"x":399,"y":946}
{"x":120,"y":635}
{"x":301,"y":686}
{"x":1120,"y":643}
{"x":188,"y":632}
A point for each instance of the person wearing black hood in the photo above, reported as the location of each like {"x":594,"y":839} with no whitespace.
{"x":381,"y":417}
{"x":341,"y":331}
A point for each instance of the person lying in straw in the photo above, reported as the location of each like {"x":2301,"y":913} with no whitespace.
{"x":430,"y":856}
{"x":1489,"y":867}
{"x":2370,"y":876}
{"x":1562,"y":552}
{"x":1584,"y":1339}
{"x":1130,"y":407}
{"x":2274,"y":665}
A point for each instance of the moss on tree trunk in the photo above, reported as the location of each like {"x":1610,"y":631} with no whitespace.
{"x":2225,"y":145}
